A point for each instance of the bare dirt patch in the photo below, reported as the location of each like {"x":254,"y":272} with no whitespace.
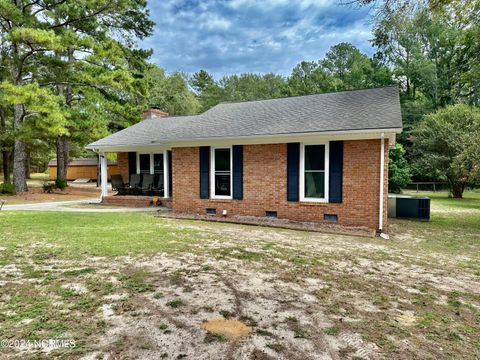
{"x":245,"y":293}
{"x":36,"y":194}
{"x":277,"y":223}
{"x":231,"y":329}
{"x":76,"y":288}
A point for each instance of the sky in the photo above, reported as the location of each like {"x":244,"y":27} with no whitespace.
{"x":228,"y":37}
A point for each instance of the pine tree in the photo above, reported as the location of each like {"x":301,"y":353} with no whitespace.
{"x":60,"y":52}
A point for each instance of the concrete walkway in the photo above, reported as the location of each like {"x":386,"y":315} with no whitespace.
{"x":70,"y":207}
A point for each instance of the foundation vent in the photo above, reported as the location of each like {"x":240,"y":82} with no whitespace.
{"x":330,"y":217}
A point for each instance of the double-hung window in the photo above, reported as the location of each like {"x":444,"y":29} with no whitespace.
{"x":158,"y":164}
{"x":314,"y":172}
{"x":158,"y":171}
{"x":221,"y":173}
{"x":144,"y":163}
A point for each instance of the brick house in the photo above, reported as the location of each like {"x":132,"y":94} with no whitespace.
{"x":320,"y":158}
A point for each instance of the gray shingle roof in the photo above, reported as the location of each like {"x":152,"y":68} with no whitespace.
{"x":377,"y":108}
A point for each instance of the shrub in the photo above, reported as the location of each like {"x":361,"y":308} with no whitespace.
{"x":48,"y":187}
{"x":398,"y":169}
{"x":8,"y":189}
{"x":60,"y":184}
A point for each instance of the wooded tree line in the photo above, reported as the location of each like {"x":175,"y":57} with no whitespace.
{"x":431,"y":49}
{"x":344,"y":67}
{"x":71,"y":72}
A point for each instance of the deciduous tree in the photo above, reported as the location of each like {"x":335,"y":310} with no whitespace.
{"x":446,"y":142}
{"x":171,"y":93}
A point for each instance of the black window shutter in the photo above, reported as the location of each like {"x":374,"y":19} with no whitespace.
{"x":237,"y":172}
{"x":132,"y":163}
{"x":170,"y":182}
{"x":204,"y":172}
{"x":293,"y":171}
{"x":336,"y":172}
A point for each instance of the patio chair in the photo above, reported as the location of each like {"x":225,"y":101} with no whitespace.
{"x":158,"y":188}
{"x":118,"y":185}
{"x":147,"y":184}
{"x":135,"y":184}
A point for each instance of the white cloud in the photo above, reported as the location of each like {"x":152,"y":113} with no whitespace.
{"x":225,"y":37}
{"x":215,"y":22}
{"x":270,"y":4}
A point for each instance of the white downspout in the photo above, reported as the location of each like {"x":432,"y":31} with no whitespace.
{"x":382,"y":174}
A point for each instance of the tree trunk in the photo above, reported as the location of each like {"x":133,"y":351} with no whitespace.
{"x":457,"y":190}
{"x":19,"y":179}
{"x":66,"y":156}
{"x":19,"y":146}
{"x":62,"y":158}
{"x":6,"y":166}
{"x":19,"y":152}
{"x":63,"y":148}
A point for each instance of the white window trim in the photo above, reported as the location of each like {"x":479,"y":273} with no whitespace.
{"x":151,"y":164}
{"x":138,"y":161}
{"x":302,"y":172}
{"x":212,"y":173}
{"x":166,"y":190}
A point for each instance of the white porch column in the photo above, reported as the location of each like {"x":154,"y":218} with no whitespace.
{"x":103,"y":174}
{"x":166,"y":192}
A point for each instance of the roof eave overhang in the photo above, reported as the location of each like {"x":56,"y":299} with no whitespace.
{"x":363,"y":134}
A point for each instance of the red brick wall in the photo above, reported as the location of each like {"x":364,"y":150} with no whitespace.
{"x":122,"y":161}
{"x":265,"y":181}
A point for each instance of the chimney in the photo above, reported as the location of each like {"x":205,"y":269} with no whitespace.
{"x":154,"y":113}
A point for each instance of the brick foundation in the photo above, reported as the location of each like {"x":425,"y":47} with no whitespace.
{"x":128,"y":201}
{"x":134,"y":201}
{"x":167,"y":202}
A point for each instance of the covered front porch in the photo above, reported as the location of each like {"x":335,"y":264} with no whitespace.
{"x":145,"y":178}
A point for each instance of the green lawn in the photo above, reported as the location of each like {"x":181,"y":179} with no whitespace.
{"x":132,"y":285}
{"x":454,"y":226}
{"x":91,"y":234}
{"x":471,"y":198}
